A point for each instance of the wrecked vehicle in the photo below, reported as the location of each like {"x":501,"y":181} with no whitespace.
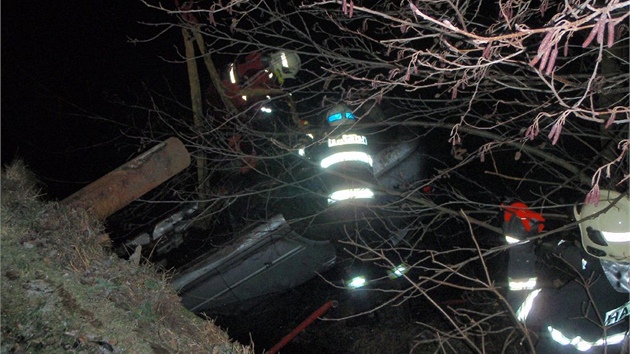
{"x":300,"y":241}
{"x":270,"y":259}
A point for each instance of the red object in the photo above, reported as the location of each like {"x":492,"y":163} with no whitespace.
{"x":289,"y":337}
{"x":253,"y":65}
{"x":528,"y":218}
{"x":251,"y":75}
{"x":187,"y":16}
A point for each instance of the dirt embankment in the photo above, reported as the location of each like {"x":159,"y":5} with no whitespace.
{"x":62,"y":291}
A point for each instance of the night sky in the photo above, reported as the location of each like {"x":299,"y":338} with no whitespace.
{"x":66,"y":63}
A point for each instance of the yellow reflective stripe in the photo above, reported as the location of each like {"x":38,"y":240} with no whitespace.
{"x":526,"y":306}
{"x":583,"y":345}
{"x":522,"y":284}
{"x":347,"y":156}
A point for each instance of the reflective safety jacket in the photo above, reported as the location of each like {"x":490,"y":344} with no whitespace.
{"x":587,"y":314}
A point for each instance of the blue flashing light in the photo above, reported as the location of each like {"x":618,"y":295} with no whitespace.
{"x":334,"y":117}
{"x":338,"y":116}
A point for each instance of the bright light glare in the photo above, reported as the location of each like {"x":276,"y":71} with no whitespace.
{"x":523,"y":311}
{"x":285,"y":61}
{"x":266,"y":109}
{"x":398,"y":271}
{"x":616,"y":236}
{"x":584,"y":345}
{"x":356,"y":282}
{"x":511,"y":240}
{"x":518,"y":284}
{"x":558,"y":336}
{"x":345,"y":194}
{"x":611,"y":340}
{"x":346,"y":156}
{"x":232,"y":74}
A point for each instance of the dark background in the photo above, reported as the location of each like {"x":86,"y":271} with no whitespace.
{"x":71,"y":75}
{"x":70,"y":72}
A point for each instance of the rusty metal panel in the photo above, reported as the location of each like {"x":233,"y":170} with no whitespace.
{"x":130,"y":181}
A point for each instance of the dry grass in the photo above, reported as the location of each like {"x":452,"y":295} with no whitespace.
{"x":64,"y":292}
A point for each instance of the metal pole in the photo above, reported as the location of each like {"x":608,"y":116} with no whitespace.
{"x":289,"y":337}
{"x":130,"y":181}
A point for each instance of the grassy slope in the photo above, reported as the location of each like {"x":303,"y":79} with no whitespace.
{"x":62,"y":291}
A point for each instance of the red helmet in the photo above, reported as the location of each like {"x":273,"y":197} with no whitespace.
{"x":519,"y":222}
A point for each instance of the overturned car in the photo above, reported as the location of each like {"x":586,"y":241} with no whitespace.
{"x":270,"y":259}
{"x":339,"y":188}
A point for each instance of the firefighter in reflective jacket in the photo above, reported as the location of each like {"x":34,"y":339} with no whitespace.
{"x":259,"y":76}
{"x":245,"y":83}
{"x":347,"y":157}
{"x":588,"y":310}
